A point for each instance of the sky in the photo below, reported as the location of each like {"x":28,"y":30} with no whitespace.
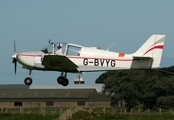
{"x":92,"y":23}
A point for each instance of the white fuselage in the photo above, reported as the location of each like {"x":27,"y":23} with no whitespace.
{"x":90,"y":59}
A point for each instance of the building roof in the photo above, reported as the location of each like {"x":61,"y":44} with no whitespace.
{"x":98,"y":87}
{"x":45,"y":93}
{"x":38,"y":92}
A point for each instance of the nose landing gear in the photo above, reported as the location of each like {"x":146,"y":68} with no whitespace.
{"x":28,"y":80}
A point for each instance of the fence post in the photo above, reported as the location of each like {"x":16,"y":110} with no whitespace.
{"x":104,"y":111}
{"x":148,"y":110}
{"x":66,"y":113}
{"x":125,"y":110}
{"x":160,"y":111}
{"x":138,"y":110}
{"x":71,"y":113}
{"x":90,"y":110}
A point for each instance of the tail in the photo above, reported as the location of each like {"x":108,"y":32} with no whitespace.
{"x":152,"y":48}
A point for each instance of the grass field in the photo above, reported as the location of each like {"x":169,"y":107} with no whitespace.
{"x":17,"y":116}
{"x":97,"y":114}
{"x":30,"y":113}
{"x":135,"y":117}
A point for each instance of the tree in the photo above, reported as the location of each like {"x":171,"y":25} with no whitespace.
{"x":149,"y":88}
{"x":124,"y":85}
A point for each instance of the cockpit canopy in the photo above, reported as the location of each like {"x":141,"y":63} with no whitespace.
{"x":62,"y":49}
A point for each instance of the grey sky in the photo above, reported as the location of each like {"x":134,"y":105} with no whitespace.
{"x":88,"y":23}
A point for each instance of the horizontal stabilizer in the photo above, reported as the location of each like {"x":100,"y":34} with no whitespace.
{"x":141,"y":58}
{"x":143,"y":61}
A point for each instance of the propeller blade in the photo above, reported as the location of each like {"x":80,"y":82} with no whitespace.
{"x":15,"y":64}
{"x":14,"y":47}
{"x":14,"y":61}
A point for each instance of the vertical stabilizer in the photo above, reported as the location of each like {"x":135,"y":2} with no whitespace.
{"x":153,"y":48}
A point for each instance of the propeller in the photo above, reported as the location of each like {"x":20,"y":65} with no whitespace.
{"x":14,"y":61}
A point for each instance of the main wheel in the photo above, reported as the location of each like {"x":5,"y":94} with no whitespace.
{"x":65,"y":82}
{"x":28,"y":81}
{"x":60,"y":79}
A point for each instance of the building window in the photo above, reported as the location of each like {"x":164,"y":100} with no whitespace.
{"x":49,"y":103}
{"x":17,"y":103}
{"x":81,"y":103}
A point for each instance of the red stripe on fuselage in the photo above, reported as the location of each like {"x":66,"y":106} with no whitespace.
{"x":32,"y":55}
{"x":155,"y":47}
{"x":77,"y":57}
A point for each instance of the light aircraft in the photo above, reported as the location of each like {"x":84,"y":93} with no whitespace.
{"x":72,"y":58}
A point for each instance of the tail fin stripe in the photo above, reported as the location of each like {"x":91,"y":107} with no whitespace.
{"x":155,"y":47}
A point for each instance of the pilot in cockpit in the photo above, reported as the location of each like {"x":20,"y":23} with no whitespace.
{"x":59,"y":49}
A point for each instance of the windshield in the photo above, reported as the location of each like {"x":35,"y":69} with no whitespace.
{"x":48,"y":49}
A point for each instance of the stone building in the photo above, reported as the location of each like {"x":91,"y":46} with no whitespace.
{"x":12,"y":96}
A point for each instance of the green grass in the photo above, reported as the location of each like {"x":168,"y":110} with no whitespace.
{"x":97,"y":114}
{"x":17,"y":116}
{"x":135,"y":117}
{"x":31,"y":113}
{"x":118,"y":115}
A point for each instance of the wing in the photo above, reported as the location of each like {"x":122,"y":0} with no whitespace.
{"x":59,"y":63}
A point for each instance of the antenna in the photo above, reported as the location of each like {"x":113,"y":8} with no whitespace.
{"x":50,"y":41}
{"x":111,"y":45}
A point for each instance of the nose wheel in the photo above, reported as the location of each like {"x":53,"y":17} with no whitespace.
{"x":28,"y":81}
{"x":62,"y":80}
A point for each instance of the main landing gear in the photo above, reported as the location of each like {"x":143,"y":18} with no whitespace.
{"x":62,"y":79}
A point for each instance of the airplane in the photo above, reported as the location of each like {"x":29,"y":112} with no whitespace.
{"x":78,"y":59}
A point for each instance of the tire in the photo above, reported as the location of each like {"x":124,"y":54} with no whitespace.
{"x":28,"y":81}
{"x":66,"y":82}
{"x":60,"y":79}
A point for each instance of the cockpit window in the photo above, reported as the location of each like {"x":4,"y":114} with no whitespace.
{"x":73,"y":50}
{"x":60,"y":48}
{"x":55,"y":48}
